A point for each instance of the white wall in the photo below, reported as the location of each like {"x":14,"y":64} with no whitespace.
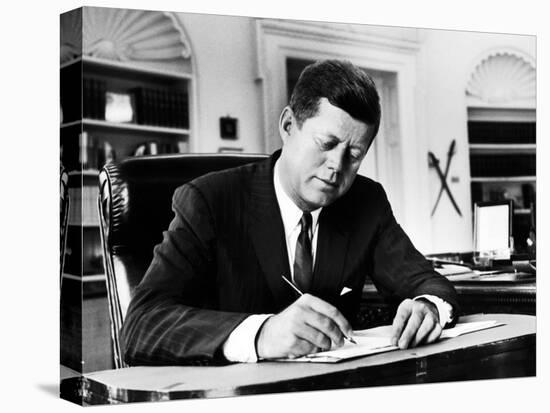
{"x":225,"y":64}
{"x":224,"y":51}
{"x":446,"y":60}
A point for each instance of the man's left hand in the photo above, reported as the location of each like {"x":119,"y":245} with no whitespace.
{"x":416,"y":322}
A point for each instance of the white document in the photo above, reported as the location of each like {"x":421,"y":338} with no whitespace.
{"x":463,"y":328}
{"x":377,"y":340}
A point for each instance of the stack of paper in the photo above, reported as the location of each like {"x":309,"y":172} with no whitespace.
{"x":378,"y":340}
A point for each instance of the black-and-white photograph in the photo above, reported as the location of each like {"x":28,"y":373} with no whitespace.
{"x":254,"y":205}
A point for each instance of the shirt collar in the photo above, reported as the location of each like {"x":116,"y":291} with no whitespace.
{"x":290,"y":212}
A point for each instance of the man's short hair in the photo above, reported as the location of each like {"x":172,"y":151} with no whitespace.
{"x":345,"y":85}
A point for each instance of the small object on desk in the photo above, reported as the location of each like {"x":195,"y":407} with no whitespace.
{"x":452,"y":269}
{"x":499,"y":276}
{"x":525,"y":265}
{"x":493,"y":242}
{"x":301,"y":293}
{"x":438,"y":262}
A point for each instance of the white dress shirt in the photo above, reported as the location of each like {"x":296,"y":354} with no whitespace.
{"x":240,"y":345}
{"x":291,"y":216}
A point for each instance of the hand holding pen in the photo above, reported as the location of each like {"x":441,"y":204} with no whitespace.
{"x":306,"y":326}
{"x":347,"y":337}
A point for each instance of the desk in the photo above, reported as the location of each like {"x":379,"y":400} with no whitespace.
{"x":505,"y":351}
{"x":474,"y":296}
{"x":499,"y":297}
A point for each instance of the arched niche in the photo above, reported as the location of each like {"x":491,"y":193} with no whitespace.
{"x":141,"y":38}
{"x":501,"y":108}
{"x":504,"y":79}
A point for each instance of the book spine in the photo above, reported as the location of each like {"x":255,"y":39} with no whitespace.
{"x":86,"y":97}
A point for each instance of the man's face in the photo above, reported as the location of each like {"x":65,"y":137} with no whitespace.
{"x":319,"y":161}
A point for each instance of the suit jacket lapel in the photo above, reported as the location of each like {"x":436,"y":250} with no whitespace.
{"x":267,"y":233}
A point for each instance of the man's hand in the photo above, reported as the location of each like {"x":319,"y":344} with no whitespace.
{"x":306,"y":326}
{"x":416,"y":322}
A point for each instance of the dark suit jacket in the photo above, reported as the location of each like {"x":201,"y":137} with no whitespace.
{"x":224,"y":252}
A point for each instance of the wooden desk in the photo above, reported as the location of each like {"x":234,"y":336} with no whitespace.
{"x":497,"y":297}
{"x":474,"y":296}
{"x":505,"y":351}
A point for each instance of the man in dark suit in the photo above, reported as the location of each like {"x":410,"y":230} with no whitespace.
{"x":215,"y":291}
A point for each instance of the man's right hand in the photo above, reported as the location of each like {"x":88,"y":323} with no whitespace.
{"x":306,"y":326}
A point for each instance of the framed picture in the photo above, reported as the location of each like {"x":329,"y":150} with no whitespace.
{"x":493,"y":230}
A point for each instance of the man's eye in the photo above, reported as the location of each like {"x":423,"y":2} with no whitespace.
{"x":355,"y":155}
{"x":326,"y":145}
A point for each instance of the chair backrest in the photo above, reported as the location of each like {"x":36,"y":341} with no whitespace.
{"x":135,"y":204}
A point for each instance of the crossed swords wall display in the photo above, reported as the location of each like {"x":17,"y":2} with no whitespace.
{"x":434,"y":162}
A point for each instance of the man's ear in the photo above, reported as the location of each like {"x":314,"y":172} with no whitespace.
{"x":286,"y":123}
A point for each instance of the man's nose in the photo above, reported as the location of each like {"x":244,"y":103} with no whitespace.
{"x":335,"y":159}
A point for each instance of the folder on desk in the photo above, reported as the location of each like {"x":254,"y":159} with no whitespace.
{"x":453,"y":271}
{"x":378,"y":340}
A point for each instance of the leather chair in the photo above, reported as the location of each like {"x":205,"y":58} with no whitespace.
{"x":135,"y":204}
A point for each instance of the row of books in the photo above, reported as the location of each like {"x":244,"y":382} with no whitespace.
{"x":503,"y":165}
{"x":83,"y":206}
{"x":161,"y":107}
{"x":150,"y":106}
{"x":501,"y":132}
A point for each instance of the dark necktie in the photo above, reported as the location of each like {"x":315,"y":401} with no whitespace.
{"x":303,"y":261}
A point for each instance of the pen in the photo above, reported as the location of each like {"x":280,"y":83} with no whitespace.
{"x":350,"y":339}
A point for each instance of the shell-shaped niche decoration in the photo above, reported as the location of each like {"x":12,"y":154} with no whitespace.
{"x":130,"y":35}
{"x":71,"y":35}
{"x":503,"y":78}
{"x":121,"y":34}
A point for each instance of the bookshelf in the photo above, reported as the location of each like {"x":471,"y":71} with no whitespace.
{"x":125,"y":90}
{"x":153,"y":112}
{"x":88,"y":141}
{"x":153,"y":118}
{"x":502,"y":150}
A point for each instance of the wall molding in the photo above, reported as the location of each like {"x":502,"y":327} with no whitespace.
{"x":404,"y":39}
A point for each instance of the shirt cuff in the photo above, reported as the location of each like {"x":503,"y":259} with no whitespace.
{"x":444,"y":309}
{"x":240,"y":345}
